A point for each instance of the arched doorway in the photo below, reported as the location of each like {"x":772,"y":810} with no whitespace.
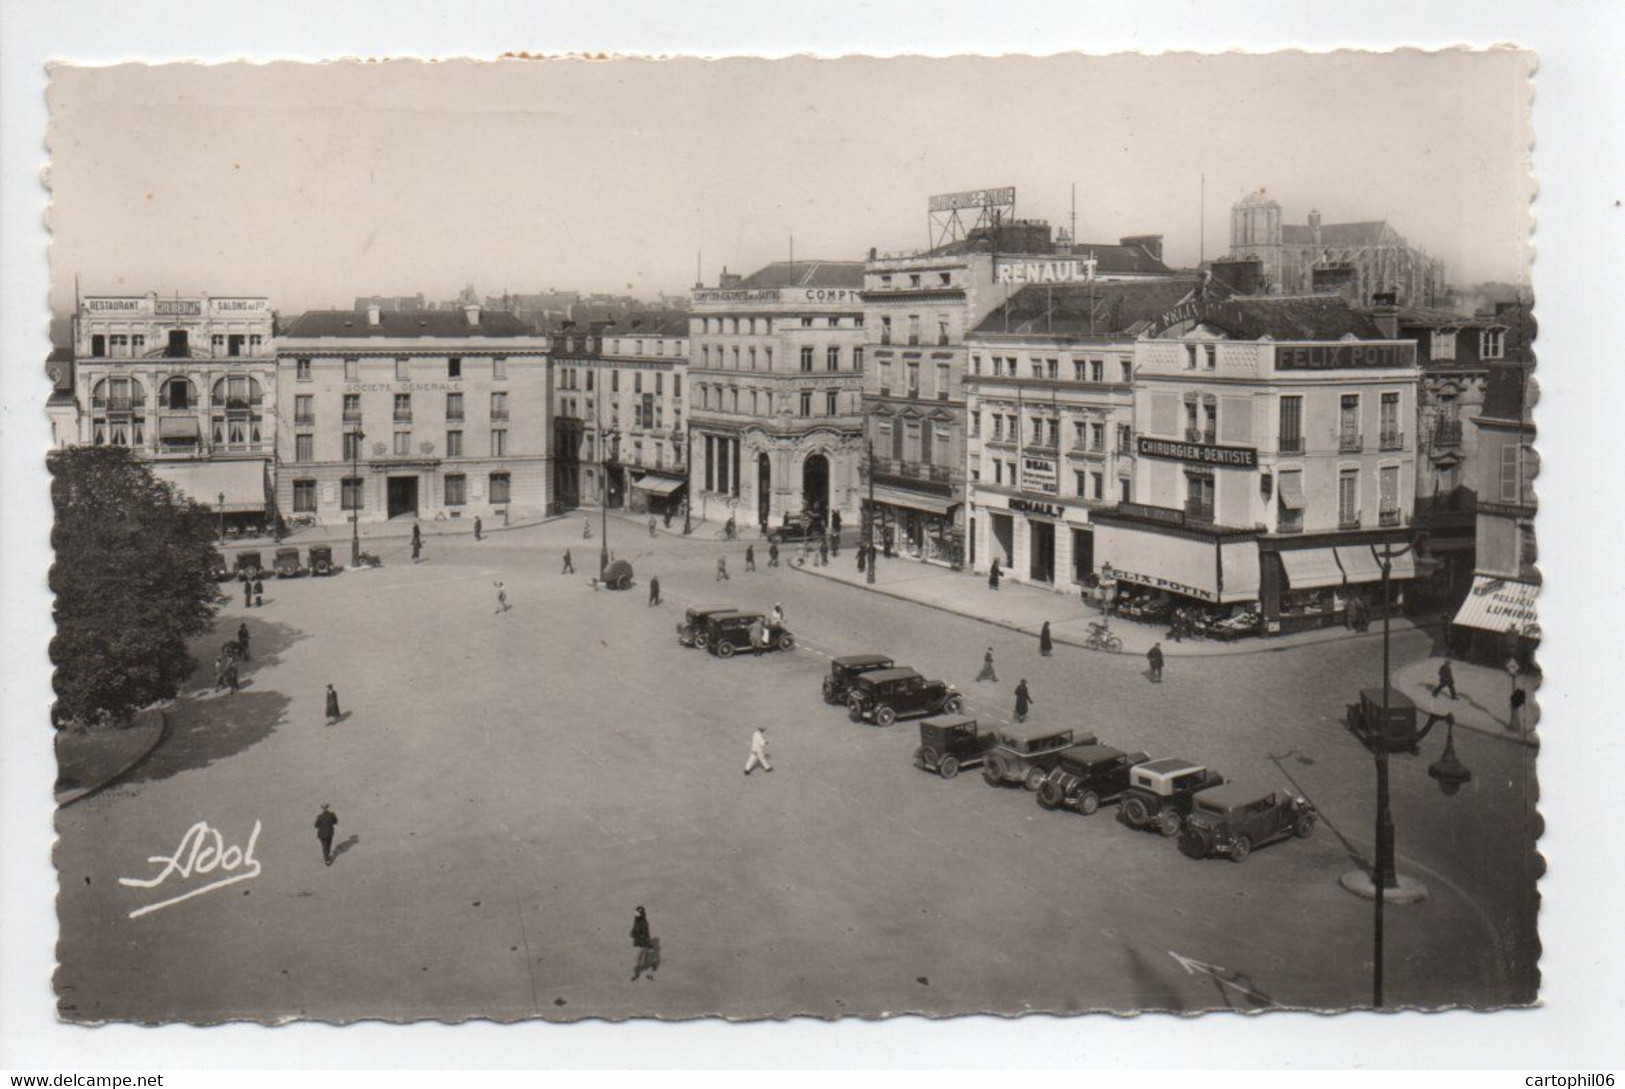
{"x":764,"y":488}
{"x":815,"y":487}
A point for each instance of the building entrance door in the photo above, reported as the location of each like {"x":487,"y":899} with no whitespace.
{"x":1083,"y":554}
{"x":403,"y":496}
{"x":1042,"y":550}
{"x":1004,"y":539}
{"x":815,"y":487}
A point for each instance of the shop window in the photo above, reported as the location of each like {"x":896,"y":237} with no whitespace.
{"x":456,"y":490}
{"x":304,"y":496}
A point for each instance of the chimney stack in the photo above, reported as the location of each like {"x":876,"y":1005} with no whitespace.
{"x":1314,"y":225}
{"x":471,"y":311}
{"x":1385,"y":313}
{"x":375,"y":314}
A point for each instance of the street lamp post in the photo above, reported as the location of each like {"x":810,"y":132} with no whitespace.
{"x":356,"y":437}
{"x":688,"y":471}
{"x":220,"y":505}
{"x":605,"y":438}
{"x":869,"y":520}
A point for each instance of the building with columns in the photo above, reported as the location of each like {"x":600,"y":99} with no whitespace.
{"x":918,"y":310}
{"x":412,"y":414}
{"x":188,"y":385}
{"x":1360,"y":259}
{"x":775,"y":364}
{"x":619,"y":428}
{"x":1049,"y":400}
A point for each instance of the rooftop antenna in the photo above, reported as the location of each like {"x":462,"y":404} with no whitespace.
{"x":1074,"y":227}
{"x":792,"y":253}
{"x":1201,"y":239}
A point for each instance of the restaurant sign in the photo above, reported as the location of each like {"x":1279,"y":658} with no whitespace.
{"x":1201,"y":453}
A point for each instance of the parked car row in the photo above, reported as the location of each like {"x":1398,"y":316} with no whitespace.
{"x":1070,"y":769}
{"x":285,"y":564}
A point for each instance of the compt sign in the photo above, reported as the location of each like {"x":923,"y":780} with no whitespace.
{"x":974,"y":198}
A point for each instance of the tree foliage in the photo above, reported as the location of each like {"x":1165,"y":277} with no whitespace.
{"x":133,"y":583}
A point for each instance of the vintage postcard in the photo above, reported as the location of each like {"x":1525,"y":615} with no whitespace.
{"x":560,"y":539}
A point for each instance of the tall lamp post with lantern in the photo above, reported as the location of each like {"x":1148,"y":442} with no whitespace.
{"x":356,"y":437}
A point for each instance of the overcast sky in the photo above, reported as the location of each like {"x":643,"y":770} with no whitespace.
{"x":314,"y":184}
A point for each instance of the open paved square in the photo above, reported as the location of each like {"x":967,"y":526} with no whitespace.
{"x":510,"y":785}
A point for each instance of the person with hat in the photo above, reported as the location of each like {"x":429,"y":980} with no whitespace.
{"x":1024,"y":701}
{"x":332,"y":706}
{"x":326,"y":821}
{"x":643,"y":942}
{"x":1153,"y":658}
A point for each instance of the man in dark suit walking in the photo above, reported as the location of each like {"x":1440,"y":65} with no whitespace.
{"x":326,"y":821}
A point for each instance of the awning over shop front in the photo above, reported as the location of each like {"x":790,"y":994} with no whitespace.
{"x":1360,"y":563}
{"x":178,"y":427}
{"x":1308,"y":568}
{"x":241,"y":482}
{"x":897,"y":498}
{"x":1186,"y":565}
{"x":1496,"y":604}
{"x":659,"y":485}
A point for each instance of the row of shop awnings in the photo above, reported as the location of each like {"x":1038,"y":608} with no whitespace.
{"x":242,"y":483}
{"x":1500,"y":605}
{"x":659,"y":485}
{"x":896,"y":497}
{"x":1309,"y":568}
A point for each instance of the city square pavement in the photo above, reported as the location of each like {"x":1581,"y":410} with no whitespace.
{"x":509,"y":786}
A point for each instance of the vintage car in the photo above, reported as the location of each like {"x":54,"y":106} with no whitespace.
{"x":842,"y":670}
{"x":1085,"y":777}
{"x":726,"y":634}
{"x":248,"y":565}
{"x":1160,"y":791}
{"x":286,"y":564}
{"x":691,"y":629}
{"x":1233,"y":819}
{"x":1026,"y":754}
{"x":219,"y":570}
{"x":951,"y":742}
{"x":1398,"y":734}
{"x":321,"y":560}
{"x":886,"y":695}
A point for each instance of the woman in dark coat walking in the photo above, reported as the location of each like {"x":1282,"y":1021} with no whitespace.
{"x":242,"y":642}
{"x":993,"y":576}
{"x":332,"y":706}
{"x":987,"y":673}
{"x":1024,"y":701}
{"x":1045,"y":643}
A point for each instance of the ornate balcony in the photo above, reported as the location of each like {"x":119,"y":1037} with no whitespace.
{"x":1350,"y":442}
{"x":1290,"y":444}
{"x":1391,"y":440}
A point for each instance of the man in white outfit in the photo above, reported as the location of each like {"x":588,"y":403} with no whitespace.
{"x":758,"y":752}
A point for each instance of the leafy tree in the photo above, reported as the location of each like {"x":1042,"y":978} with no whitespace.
{"x":133,"y":584}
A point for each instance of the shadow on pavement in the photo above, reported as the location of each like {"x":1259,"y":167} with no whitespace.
{"x":345,"y":845}
{"x":203,"y":731}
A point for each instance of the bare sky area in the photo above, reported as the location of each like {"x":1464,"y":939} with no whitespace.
{"x":317,"y":183}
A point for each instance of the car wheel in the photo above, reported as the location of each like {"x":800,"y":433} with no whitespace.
{"x":953,"y":705}
{"x":993,"y":772}
{"x":1087,"y":802}
{"x":948,"y":768}
{"x":884,"y":716}
{"x":1168,"y":823}
{"x":1240,"y":848}
{"x":725,"y":650}
{"x":1034,"y":779}
{"x":700,"y":640}
{"x":1049,"y":796}
{"x":1305,"y":826}
{"x":1195,"y":843}
{"x":787,"y":641}
{"x":854,"y":709}
{"x":1136,"y":813}
{"x":924,"y":757}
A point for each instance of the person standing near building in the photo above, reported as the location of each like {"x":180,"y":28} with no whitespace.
{"x":1519,"y":698}
{"x":417,"y":548}
{"x":1024,"y":701}
{"x":722,"y":569}
{"x":862,"y":557}
{"x":332,"y":706}
{"x":326,"y":822}
{"x":823,"y":552}
{"x":479,"y":529}
{"x":641,"y":940}
{"x":758,"y":751}
{"x":1045,"y":644}
{"x":417,"y":535}
{"x":750,"y":557}
{"x":231,"y":674}
{"x":259,"y":593}
{"x":248,"y":592}
{"x":773,"y":552}
{"x":987,"y":673}
{"x":654,"y":590}
{"x":242,"y":642}
{"x":569,"y":568}
{"x":1447,"y":679}
{"x":994,"y":574}
{"x":1153,"y":658}
{"x":758,"y":635}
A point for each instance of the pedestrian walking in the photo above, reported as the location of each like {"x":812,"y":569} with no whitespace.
{"x":668,"y":519}
{"x":259,"y":593}
{"x":242,"y":642}
{"x":835,"y":541}
{"x":1154,"y":658}
{"x":231,"y":674}
{"x":332,"y":706}
{"x":1045,"y":644}
{"x":758,"y":751}
{"x":417,"y":548}
{"x":417,"y":534}
{"x":643,"y":944}
{"x":1447,"y":679}
{"x":758,"y":635}
{"x":586,"y":530}
{"x":994,"y":574}
{"x":326,"y":821}
{"x":651,"y":525}
{"x":987,"y":673}
{"x":888,"y":537}
{"x":1515,"y":718}
{"x":722,"y":569}
{"x":823,"y":552}
{"x":750,"y":557}
{"x":773,"y":553}
{"x":219,"y":672}
{"x":1024,"y":701}
{"x":569,"y":568}
{"x":835,"y":522}
{"x":502,"y":597}
{"x":248,"y":592}
{"x":654,"y":590}
{"x":479,"y":528}
{"x":862,"y":559}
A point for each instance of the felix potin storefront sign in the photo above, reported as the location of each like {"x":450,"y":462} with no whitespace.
{"x":1334,"y":357}
{"x":1229,"y":457}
